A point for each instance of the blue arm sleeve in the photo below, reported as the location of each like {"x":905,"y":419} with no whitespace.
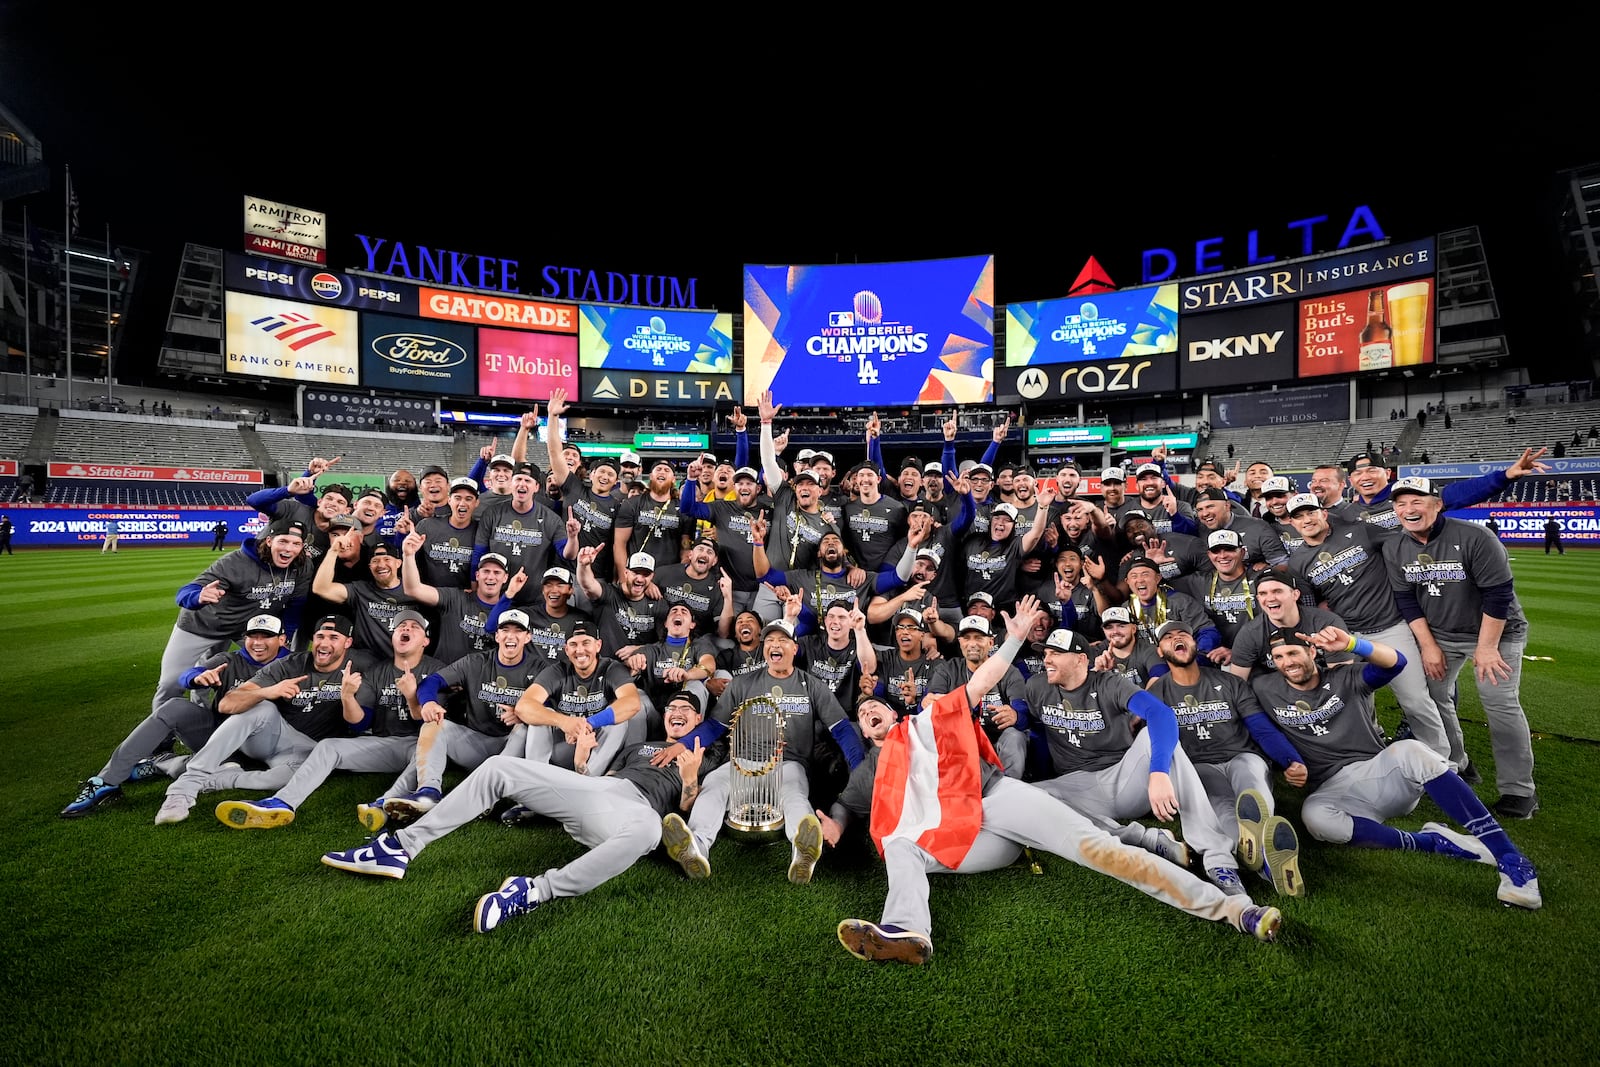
{"x":947,"y":458}
{"x":1069,"y":614}
{"x":492,"y":623}
{"x":364,"y":725}
{"x":887,"y":581}
{"x":689,"y":505}
{"x":429,"y":690}
{"x":189,"y":596}
{"x":741,"y":449}
{"x":706,"y":733}
{"x":186,"y":679}
{"x":1159,"y":670}
{"x":1162,"y":723}
{"x":479,"y":469}
{"x":875,"y":456}
{"x":1473,"y":490}
{"x":267,"y":499}
{"x":849,"y":743}
{"x":1406,"y":601}
{"x":1377,"y":677}
{"x":1208,"y":639}
{"x":1021,"y":708}
{"x":1495,"y":600}
{"x":989,"y":453}
{"x":477,"y":554}
{"x":1183,"y":524}
{"x":1271,"y":739}
{"x":964,"y":515}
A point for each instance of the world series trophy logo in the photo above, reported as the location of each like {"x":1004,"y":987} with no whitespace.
{"x":755,"y":751}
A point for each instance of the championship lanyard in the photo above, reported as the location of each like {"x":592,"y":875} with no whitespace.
{"x":1155,"y":617}
{"x":661,"y":511}
{"x":1249,"y":601}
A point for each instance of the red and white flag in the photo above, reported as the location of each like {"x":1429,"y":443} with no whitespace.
{"x":929,"y":786}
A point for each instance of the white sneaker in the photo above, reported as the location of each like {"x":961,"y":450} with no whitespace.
{"x":174,"y":809}
{"x":1465,"y":842}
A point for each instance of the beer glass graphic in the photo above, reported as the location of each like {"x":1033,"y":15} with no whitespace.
{"x":1408,"y":318}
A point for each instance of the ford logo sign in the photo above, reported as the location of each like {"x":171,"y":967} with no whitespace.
{"x":419,"y":350}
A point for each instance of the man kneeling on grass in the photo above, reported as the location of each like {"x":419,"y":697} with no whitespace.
{"x":940,"y":803}
{"x":618,"y":816}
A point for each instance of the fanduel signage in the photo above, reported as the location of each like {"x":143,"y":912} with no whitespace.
{"x":1162,"y":263}
{"x":443,"y":266}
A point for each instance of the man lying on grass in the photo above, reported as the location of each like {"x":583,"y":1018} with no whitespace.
{"x":618,"y":816}
{"x":984,"y":818}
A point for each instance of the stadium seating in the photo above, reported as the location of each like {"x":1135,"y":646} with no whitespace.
{"x":16,"y":430}
{"x":164,"y":494}
{"x":1484,"y":434}
{"x":104,"y":437}
{"x":364,"y":453}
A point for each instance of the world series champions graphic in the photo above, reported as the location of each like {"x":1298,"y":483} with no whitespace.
{"x":871,"y":333}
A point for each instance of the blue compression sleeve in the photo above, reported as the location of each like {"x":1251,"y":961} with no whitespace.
{"x":849,"y":743}
{"x":1271,"y":739}
{"x":1162,"y":722}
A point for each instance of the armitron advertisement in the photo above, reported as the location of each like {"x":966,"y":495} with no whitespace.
{"x":285,"y":231}
{"x":272,"y":338}
{"x":870,"y":334}
{"x":654,"y":339}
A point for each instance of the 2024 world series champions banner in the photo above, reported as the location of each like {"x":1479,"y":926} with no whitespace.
{"x":869,"y":334}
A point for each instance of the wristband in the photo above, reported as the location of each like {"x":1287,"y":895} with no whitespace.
{"x":758,"y":544}
{"x":1351,"y":647}
{"x":1011,"y":647}
{"x":1361,"y":647}
{"x":602,"y":718}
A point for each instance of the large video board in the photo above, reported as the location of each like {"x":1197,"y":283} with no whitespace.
{"x":1129,"y":322}
{"x":655,"y":339}
{"x":1367,"y":329}
{"x":871,"y":334}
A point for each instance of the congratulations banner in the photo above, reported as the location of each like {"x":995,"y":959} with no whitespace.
{"x":653,"y":339}
{"x":870,"y":334}
{"x":1524,"y":523}
{"x":38,"y":527}
{"x":1131,"y":322}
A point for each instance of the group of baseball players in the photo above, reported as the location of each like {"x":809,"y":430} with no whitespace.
{"x":965,"y":659}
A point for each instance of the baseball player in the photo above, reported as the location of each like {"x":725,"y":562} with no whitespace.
{"x":1452,"y":582}
{"x":381,"y":702}
{"x":650,"y":523}
{"x":372,"y":604}
{"x":491,"y":683}
{"x":1220,"y":726}
{"x":905,"y":671}
{"x":1002,"y":709}
{"x":802,"y":702}
{"x":1278,"y":594}
{"x":265,"y":576}
{"x":520,"y":529}
{"x":1112,"y":775}
{"x":982,"y":821}
{"x":451,"y":535}
{"x":730,"y":520}
{"x":276,"y":717}
{"x":618,"y":816}
{"x":1224,"y":591}
{"x":193,"y":722}
{"x":594,"y":507}
{"x":1345,"y":567}
{"x":465,"y":615}
{"x":1126,"y":650}
{"x":584,"y":693}
{"x":1357,"y":783}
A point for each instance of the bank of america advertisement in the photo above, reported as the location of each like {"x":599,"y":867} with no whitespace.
{"x":1129,"y":322}
{"x":273,"y":338}
{"x":655,"y":339}
{"x":869,"y":334}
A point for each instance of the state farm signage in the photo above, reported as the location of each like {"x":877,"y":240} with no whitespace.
{"x":153,"y":474}
{"x":499,"y":311}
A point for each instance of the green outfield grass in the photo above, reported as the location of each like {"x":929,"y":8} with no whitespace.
{"x":131,"y":943}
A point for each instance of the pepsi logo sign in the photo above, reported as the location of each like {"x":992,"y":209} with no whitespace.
{"x":327,"y":286}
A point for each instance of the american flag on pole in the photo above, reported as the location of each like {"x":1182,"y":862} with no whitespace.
{"x":72,"y":207}
{"x":929,"y":786}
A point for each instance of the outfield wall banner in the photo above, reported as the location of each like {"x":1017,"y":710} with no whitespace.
{"x":123,"y":472}
{"x":870,"y":334}
{"x":315,"y":285}
{"x":655,"y":339}
{"x":1473,"y":470}
{"x":274,"y":338}
{"x":1282,"y":407}
{"x":59,"y":527}
{"x":1523,"y":524}
{"x":1115,"y":325}
{"x":1091,"y":380}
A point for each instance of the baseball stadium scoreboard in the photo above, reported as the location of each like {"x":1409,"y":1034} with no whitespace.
{"x":862,"y":335}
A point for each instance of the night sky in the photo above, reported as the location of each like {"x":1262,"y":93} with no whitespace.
{"x":694,"y":168}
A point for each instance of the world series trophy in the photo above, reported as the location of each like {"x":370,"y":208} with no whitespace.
{"x":755,"y":751}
